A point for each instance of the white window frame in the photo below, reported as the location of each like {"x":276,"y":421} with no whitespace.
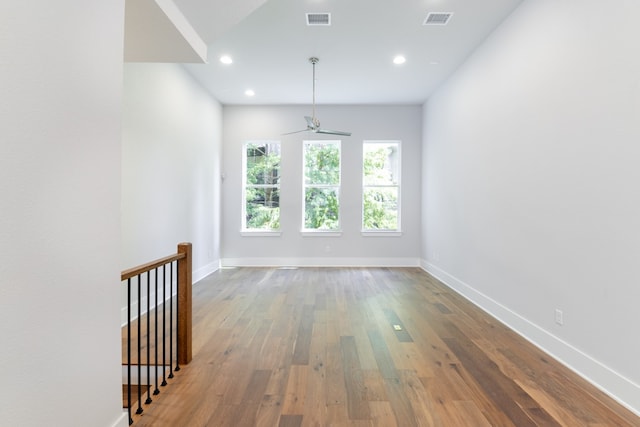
{"x":321,"y":232}
{"x":396,"y":184}
{"x":254,"y":231}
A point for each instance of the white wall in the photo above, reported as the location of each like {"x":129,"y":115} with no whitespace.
{"x":60,"y":103}
{"x":170,"y":167}
{"x":531,"y":199}
{"x":351,"y":248}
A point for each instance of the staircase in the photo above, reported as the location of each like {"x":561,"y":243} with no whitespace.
{"x":157,"y":331}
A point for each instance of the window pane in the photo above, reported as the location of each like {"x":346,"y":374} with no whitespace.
{"x":381,"y":164}
{"x":261,"y":197}
{"x":262,"y":208}
{"x":263,"y":163}
{"x":321,"y":185}
{"x":322,"y":163}
{"x":321,"y":209}
{"x":381,"y":185}
{"x":380,"y":208}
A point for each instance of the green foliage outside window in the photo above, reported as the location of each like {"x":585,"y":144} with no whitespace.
{"x":322,"y":185}
{"x":321,"y":209}
{"x":380,"y":194}
{"x":262,"y":209}
{"x":262,"y":187}
{"x":380,"y":209}
{"x":381,"y":187}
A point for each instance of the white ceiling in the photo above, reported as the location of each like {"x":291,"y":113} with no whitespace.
{"x":271,"y":45}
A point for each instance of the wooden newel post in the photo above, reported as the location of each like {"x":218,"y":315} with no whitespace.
{"x":184,"y":304}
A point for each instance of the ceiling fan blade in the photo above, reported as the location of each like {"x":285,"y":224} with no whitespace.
{"x":296,"y":131}
{"x":333,"y":132}
{"x":311,"y":126}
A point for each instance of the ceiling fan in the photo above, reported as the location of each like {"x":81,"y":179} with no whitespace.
{"x":313,"y":124}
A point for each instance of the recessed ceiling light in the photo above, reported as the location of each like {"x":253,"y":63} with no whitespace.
{"x":226,"y":59}
{"x":398,"y":60}
{"x":249,"y":92}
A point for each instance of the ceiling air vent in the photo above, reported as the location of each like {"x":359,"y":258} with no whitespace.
{"x":318,"y":19}
{"x":438,"y":18}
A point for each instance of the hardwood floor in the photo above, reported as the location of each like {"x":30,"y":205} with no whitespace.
{"x":363,"y":347}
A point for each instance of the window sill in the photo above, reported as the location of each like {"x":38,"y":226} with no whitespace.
{"x":260,"y":233}
{"x":381,"y":233}
{"x":321,"y":233}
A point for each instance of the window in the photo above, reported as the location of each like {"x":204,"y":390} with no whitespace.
{"x":321,"y":185}
{"x":261,"y":196}
{"x":381,"y":186}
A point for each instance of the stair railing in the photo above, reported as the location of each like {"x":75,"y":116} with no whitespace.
{"x":160,"y":282}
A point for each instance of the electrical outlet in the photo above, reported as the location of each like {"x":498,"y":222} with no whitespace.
{"x":559,"y":317}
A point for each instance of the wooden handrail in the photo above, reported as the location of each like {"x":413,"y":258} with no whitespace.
{"x":132,"y":272}
{"x":184,"y":258}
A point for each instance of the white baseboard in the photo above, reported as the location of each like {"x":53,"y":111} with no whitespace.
{"x":203,"y":272}
{"x":123,"y":420}
{"x":320,"y":262}
{"x":620,"y":388}
{"x":143,"y":307}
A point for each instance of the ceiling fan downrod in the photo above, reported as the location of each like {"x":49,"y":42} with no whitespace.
{"x":314,"y":61}
{"x":313,"y":124}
